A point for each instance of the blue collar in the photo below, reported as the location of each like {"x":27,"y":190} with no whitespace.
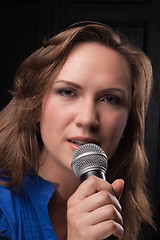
{"x":36,"y":186}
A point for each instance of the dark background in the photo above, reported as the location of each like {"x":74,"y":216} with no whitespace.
{"x":24,"y":25}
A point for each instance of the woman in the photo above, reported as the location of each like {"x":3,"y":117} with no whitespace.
{"x":84,"y":85}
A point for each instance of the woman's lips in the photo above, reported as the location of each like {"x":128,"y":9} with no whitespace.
{"x":73,"y":146}
{"x":79,"y":141}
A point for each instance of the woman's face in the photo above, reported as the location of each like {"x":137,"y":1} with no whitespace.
{"x":89,"y":101}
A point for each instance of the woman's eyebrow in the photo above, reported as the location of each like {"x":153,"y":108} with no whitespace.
{"x":69,"y":83}
{"x":105,"y":90}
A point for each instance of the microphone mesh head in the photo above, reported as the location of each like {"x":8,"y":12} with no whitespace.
{"x":88,"y":157}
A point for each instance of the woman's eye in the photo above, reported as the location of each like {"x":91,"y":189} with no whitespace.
{"x":67,"y":92}
{"x":111,"y":100}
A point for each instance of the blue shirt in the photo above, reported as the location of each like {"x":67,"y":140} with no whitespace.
{"x":24,"y":214}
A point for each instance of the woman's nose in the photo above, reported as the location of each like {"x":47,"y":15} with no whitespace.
{"x":87,"y":115}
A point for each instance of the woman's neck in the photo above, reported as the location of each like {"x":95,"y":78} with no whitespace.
{"x":63,"y":179}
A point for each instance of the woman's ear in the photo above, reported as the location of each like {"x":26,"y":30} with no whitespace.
{"x":37,"y":120}
{"x":126,"y":130}
{"x":123,"y":136}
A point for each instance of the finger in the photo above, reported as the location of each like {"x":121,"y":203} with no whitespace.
{"x":100,"y":199}
{"x":90,"y":186}
{"x":105,"y":229}
{"x":118,"y":186}
{"x":105,"y":213}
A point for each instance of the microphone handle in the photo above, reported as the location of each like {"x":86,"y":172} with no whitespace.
{"x":97,"y":173}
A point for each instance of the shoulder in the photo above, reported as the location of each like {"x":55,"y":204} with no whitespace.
{"x":4,"y":227}
{"x":7,"y":215}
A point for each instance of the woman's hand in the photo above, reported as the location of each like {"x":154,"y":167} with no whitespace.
{"x":94,"y":211}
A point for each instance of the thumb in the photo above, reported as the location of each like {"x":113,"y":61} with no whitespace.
{"x":118,"y":186}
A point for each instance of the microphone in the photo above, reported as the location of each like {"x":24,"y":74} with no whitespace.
{"x":90,"y":159}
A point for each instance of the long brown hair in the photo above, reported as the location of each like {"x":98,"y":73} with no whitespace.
{"x":20,"y":141}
